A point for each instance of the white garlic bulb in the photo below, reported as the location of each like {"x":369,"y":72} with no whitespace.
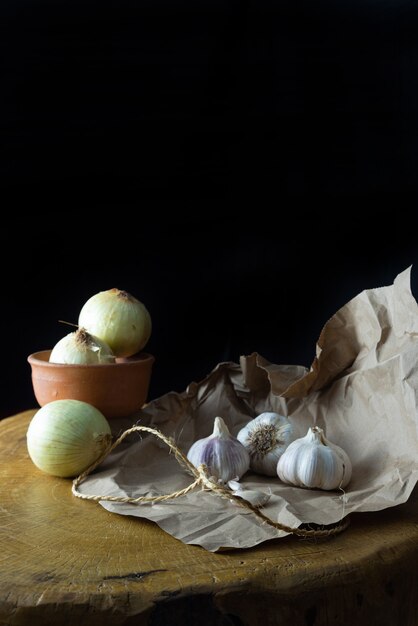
{"x":314,"y":462}
{"x":225,"y":457}
{"x":266,"y":437}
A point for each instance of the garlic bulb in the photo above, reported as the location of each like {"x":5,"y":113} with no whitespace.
{"x":314,"y":462}
{"x":266,"y":437}
{"x":119,"y":319}
{"x":225,"y":457}
{"x":81,"y":348}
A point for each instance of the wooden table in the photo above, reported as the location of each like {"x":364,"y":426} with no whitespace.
{"x":68,"y":561}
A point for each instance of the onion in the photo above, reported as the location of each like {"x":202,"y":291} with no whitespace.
{"x":66,"y":436}
{"x":119,"y":319}
{"x":81,"y":348}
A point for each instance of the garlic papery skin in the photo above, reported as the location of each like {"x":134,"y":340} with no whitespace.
{"x":253,"y":496}
{"x":119,"y":319}
{"x":81,"y":348}
{"x":266,"y":437}
{"x":66,"y":436}
{"x":314,"y":462}
{"x":225,"y":457}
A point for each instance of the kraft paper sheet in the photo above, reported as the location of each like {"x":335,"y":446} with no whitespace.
{"x":362,"y":389}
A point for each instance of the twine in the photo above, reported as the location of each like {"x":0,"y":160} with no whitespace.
{"x":202,"y":479}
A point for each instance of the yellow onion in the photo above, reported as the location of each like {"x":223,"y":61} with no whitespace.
{"x":81,"y":348}
{"x":118,"y":319}
{"x":66,"y":436}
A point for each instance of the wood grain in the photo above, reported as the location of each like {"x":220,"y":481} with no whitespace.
{"x":68,"y":561}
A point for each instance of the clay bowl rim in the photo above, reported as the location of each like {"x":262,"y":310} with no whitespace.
{"x":41,"y":357}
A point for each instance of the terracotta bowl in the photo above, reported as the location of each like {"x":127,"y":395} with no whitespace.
{"x":116,"y":389}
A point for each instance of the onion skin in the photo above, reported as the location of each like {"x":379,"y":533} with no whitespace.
{"x":118,"y":319}
{"x":66,"y":436}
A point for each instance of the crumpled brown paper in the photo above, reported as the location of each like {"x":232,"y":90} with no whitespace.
{"x":361,"y":388}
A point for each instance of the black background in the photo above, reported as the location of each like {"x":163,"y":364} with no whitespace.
{"x":242,"y":168}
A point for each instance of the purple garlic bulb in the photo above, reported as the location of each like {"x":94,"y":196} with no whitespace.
{"x":225,"y":456}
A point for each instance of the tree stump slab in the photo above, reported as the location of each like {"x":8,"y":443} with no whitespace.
{"x":65,"y":561}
